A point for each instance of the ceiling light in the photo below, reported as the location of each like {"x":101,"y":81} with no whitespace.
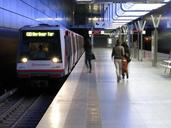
{"x":127,"y":18}
{"x":121,"y":21}
{"x":83,"y":0}
{"x":141,"y":7}
{"x":166,"y":0}
{"x":134,"y":13}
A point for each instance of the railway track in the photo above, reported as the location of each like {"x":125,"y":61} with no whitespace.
{"x":19,"y":111}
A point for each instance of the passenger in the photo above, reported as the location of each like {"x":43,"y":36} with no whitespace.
{"x":33,"y":52}
{"x":41,"y":53}
{"x":126,"y":60}
{"x":88,"y":54}
{"x":118,"y":53}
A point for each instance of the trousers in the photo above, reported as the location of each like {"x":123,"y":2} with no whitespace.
{"x":118,"y":66}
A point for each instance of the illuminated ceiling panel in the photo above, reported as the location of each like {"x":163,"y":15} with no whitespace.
{"x":140,"y":1}
{"x":132,"y":9}
{"x":83,"y":0}
{"x":124,"y":13}
{"x":134,"y":13}
{"x":140,"y":7}
{"x":126,"y":18}
{"x":117,"y":11}
{"x":121,"y":21}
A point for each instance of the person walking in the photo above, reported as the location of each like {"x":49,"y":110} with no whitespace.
{"x":125,"y":60}
{"x":118,"y":53}
{"x":88,"y":54}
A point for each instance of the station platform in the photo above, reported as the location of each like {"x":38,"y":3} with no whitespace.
{"x":96,"y":100}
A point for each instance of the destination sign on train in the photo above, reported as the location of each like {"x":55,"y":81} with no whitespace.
{"x":40,"y":34}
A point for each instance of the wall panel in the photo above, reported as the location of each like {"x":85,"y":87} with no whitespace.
{"x":17,"y":13}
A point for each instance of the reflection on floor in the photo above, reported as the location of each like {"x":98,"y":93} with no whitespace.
{"x":96,"y":100}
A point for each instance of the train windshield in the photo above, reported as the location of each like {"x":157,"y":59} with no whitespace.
{"x":40,"y":45}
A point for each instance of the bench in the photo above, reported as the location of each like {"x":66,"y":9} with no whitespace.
{"x":166,"y":64}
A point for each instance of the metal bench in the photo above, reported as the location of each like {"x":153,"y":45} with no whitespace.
{"x":166,"y":64}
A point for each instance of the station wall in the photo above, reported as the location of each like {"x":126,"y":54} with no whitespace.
{"x":17,"y":13}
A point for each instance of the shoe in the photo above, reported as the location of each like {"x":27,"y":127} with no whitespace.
{"x":123,"y":76}
{"x":118,"y":79}
{"x":127,"y":76}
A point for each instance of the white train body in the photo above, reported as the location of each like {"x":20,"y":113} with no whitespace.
{"x":47,"y":51}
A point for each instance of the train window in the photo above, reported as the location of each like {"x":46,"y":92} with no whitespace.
{"x":38,"y":50}
{"x":41,"y":50}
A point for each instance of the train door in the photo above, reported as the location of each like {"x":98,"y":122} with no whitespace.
{"x":67,"y":52}
{"x":70,"y":49}
{"x":75,"y":49}
{"x":78,"y":50}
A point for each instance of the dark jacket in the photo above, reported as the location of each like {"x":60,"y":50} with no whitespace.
{"x":127,"y":52}
{"x":118,"y":52}
{"x":126,"y":49}
{"x":88,"y":50}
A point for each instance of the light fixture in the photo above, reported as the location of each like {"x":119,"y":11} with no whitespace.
{"x":24,"y":60}
{"x":55,"y":60}
{"x":127,"y":18}
{"x":109,"y":41}
{"x":89,"y":32}
{"x":102,"y":32}
{"x":166,"y":0}
{"x":83,"y":0}
{"x":140,"y":6}
{"x":49,"y":19}
{"x":121,"y":21}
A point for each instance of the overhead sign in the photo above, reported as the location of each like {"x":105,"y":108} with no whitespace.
{"x":39,"y":34}
{"x":96,"y":32}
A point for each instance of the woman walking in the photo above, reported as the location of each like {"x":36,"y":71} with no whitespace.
{"x":88,"y":54}
{"x":125,"y":60}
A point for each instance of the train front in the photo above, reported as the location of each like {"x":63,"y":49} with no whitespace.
{"x":39,"y":54}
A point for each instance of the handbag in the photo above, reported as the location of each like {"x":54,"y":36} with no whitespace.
{"x":129,"y":59}
{"x":93,"y":56}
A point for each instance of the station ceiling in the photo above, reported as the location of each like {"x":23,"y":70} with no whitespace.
{"x":123,"y":1}
{"x":100,"y":12}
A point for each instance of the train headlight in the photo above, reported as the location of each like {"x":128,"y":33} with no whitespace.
{"x":55,"y":60}
{"x":24,"y":60}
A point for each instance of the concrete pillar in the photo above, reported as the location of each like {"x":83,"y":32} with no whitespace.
{"x":154,"y":45}
{"x":141,"y":26}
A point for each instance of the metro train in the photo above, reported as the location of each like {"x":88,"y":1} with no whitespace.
{"x":47,"y":51}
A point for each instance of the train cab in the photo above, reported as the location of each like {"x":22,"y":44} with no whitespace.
{"x":47,"y":51}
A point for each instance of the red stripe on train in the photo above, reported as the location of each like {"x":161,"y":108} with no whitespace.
{"x":41,"y":70}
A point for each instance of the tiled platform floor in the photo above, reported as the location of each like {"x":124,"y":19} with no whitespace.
{"x":96,"y":100}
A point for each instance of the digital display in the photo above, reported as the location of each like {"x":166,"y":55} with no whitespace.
{"x":39,"y":34}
